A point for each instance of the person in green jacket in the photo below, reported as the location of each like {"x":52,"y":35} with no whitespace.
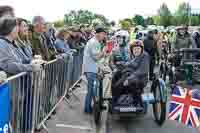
{"x":182,"y":39}
{"x":39,"y":40}
{"x":133,"y":34}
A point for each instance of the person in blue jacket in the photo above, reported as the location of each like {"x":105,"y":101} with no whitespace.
{"x":121,"y":53}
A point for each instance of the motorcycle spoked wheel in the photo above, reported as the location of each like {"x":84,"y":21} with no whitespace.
{"x":159,"y":107}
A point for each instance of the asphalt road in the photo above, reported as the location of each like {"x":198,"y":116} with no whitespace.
{"x":71,"y":119}
{"x":143,"y":124}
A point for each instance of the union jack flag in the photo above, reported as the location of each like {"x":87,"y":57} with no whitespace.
{"x":185,"y":106}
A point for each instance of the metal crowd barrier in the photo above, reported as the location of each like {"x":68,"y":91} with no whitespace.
{"x":77,"y":71}
{"x":21,"y":95}
{"x":35,"y":96}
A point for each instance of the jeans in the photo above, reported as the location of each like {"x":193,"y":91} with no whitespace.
{"x":92,"y":91}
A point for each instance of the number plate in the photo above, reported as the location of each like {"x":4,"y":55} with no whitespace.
{"x":148,"y":97}
{"x":128,"y":109}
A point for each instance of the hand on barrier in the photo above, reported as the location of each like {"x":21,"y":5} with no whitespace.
{"x":3,"y":76}
{"x":73,"y":50}
{"x":38,"y":60}
{"x":59,"y":57}
{"x":69,"y":53}
{"x":37,"y":67}
{"x":66,"y":57}
{"x":63,"y":57}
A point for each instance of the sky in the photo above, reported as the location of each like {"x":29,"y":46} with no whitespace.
{"x":113,"y":9}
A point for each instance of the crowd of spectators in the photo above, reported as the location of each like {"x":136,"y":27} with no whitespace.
{"x":22,"y":43}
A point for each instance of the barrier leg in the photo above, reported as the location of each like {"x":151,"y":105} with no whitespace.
{"x":76,"y":97}
{"x":44,"y":127}
{"x":68,"y":102}
{"x":71,"y":93}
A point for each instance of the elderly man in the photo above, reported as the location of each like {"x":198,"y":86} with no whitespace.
{"x":40,"y":41}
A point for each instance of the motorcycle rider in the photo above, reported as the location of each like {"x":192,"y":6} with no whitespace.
{"x":134,"y":75}
{"x":183,"y":38}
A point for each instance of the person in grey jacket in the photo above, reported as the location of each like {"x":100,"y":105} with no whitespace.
{"x":134,"y":76}
{"x":10,"y":60}
{"x":183,"y":39}
{"x":93,"y":53}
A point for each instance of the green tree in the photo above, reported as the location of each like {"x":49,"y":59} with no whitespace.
{"x":125,"y":24}
{"x":195,"y":21}
{"x":183,"y":13}
{"x":156,"y":20}
{"x":84,"y":17}
{"x":173,"y":21}
{"x":165,"y":15}
{"x":149,"y":21}
{"x":130,"y":21}
{"x":101,"y":18}
{"x":59,"y":23}
{"x":139,"y":20}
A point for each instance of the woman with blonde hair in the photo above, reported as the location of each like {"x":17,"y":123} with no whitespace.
{"x":23,"y":43}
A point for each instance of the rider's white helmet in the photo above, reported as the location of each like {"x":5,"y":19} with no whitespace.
{"x":122,"y":33}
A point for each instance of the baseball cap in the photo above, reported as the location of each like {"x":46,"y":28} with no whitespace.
{"x":100,"y":29}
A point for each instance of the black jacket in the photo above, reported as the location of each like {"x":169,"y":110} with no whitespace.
{"x":151,"y":48}
{"x":138,"y":68}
